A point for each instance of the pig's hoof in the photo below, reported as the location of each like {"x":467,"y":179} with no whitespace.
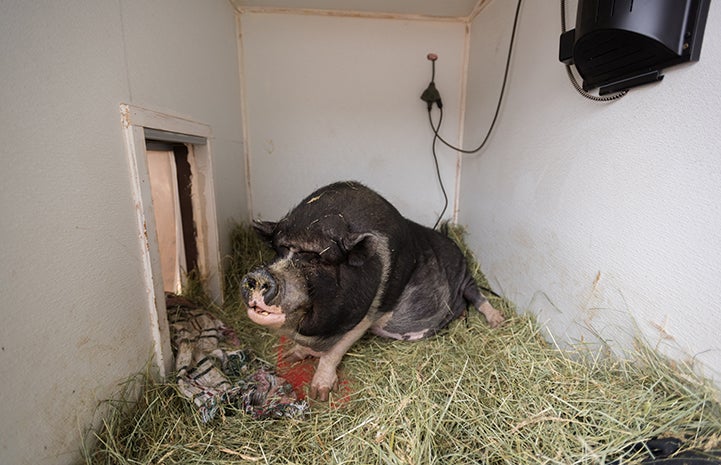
{"x":320,"y":394}
{"x":298,"y":353}
{"x":321,"y":388}
{"x":496,"y":320}
{"x":292,"y":357}
{"x":493,"y":316}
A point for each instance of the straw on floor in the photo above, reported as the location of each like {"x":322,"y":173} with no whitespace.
{"x":469,"y":395}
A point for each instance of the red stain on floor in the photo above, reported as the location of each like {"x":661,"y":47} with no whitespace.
{"x":300,"y":374}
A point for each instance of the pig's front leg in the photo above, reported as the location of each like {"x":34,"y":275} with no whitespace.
{"x":325,"y":378}
{"x":300,"y":352}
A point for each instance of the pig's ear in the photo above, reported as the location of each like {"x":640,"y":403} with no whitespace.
{"x":358,"y":247}
{"x":264,"y":229}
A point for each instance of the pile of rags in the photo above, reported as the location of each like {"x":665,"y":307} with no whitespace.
{"x":213,"y":376}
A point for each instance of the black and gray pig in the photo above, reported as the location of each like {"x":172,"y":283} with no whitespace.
{"x":348,"y":262}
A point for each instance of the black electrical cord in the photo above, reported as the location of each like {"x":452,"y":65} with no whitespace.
{"x":438,"y":170}
{"x":431,"y":96}
{"x":500,"y":97}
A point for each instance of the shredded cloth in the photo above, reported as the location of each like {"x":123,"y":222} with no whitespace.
{"x":213,"y":376}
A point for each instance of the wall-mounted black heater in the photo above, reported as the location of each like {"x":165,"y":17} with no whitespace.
{"x":619,"y":44}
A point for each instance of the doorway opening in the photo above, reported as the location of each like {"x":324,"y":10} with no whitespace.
{"x":171,"y":191}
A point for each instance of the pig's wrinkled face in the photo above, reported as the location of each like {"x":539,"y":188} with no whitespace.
{"x":264,"y":289}
{"x":320,"y":278}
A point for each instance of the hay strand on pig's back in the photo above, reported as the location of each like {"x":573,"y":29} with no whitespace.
{"x":469,"y":395}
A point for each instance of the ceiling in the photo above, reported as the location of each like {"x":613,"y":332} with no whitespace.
{"x":434,"y":8}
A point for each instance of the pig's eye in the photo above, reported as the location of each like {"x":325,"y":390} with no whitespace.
{"x":308,"y":257}
{"x":282,"y":251}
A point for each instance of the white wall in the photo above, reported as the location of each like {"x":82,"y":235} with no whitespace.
{"x":333,"y":98}
{"x":183,"y":59}
{"x":569,"y":191}
{"x":75,"y":321}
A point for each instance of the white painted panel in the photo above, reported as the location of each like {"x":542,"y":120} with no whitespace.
{"x":182,"y":60}
{"x":598,"y":215}
{"x":75,"y":307}
{"x":331,"y":98}
{"x":71,"y":279}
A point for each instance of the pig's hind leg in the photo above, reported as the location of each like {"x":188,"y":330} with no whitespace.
{"x":472,"y":295}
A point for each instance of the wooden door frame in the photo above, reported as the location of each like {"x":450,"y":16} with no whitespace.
{"x":134,"y":120}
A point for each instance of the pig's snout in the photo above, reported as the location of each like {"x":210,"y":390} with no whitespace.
{"x":259,"y":281}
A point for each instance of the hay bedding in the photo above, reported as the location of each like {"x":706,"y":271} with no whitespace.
{"x":468,"y":395}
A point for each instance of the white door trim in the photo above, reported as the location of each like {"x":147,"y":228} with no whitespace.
{"x":134,"y":120}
